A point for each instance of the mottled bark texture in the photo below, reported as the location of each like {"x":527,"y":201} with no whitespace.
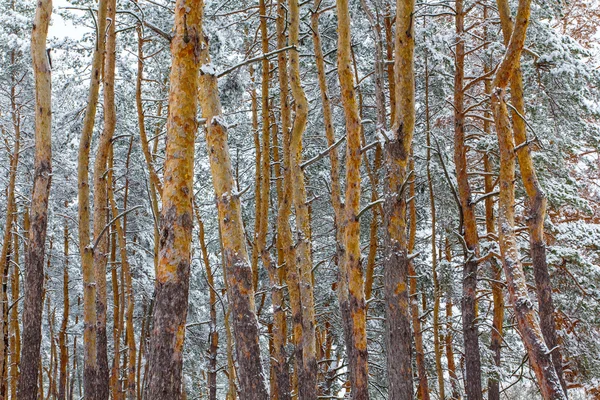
{"x":527,"y":320}
{"x":235,"y":255}
{"x":34,"y":256}
{"x":396,"y":262}
{"x":352,"y":296}
{"x":165,"y":355}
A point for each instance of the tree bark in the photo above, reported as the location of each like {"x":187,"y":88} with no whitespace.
{"x":537,"y":204}
{"x":100,"y":203}
{"x":527,"y":321}
{"x":90,"y":368}
{"x":396,"y":262}
{"x":307,"y":387}
{"x":473,"y":386}
{"x":7,"y":243}
{"x":284,"y":232}
{"x":34,"y":256}
{"x":235,"y":255}
{"x":352,"y":296}
{"x":165,"y":356}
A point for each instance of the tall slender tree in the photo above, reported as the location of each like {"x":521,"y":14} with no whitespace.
{"x":235,"y":254}
{"x":34,"y":256}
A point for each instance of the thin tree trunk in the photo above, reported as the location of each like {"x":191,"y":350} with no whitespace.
{"x":449,"y":335}
{"x":8,"y":225}
{"x":15,"y":329}
{"x":34,"y":256}
{"x":115,"y":384}
{"x":235,"y":254}
{"x":284,"y":232}
{"x":423,"y":389}
{"x":281,"y":384}
{"x":90,"y":369}
{"x":437,"y":346}
{"x":396,"y":262}
{"x":213,"y":337}
{"x":62,"y":335}
{"x":307,"y":387}
{"x":100,"y":204}
{"x":127,"y":288}
{"x":473,"y":386}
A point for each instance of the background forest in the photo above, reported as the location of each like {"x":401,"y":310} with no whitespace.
{"x":345,"y":174}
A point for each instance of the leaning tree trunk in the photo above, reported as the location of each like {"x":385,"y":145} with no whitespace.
{"x":537,"y":204}
{"x":396,"y":262}
{"x":165,"y":356}
{"x":235,"y":255}
{"x":34,"y":256}
{"x":527,"y":320}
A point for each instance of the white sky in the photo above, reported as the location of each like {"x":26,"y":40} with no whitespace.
{"x":61,"y":28}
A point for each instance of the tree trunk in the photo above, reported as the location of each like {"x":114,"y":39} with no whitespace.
{"x":352,"y":296}
{"x":536,"y":204}
{"x":235,"y":255}
{"x":165,"y":356}
{"x":473,"y":386}
{"x":308,"y":385}
{"x":527,"y":321}
{"x":396,"y":262}
{"x":34,"y":256}
{"x":284,"y":232}
{"x":8,"y":226}
{"x":100,"y":204}
{"x":62,"y":334}
{"x":214,"y":333}
{"x":90,"y":368}
{"x":15,"y":330}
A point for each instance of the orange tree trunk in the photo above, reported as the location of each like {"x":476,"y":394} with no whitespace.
{"x":284,"y":232}
{"x":235,"y":254}
{"x":396,"y":262}
{"x":352,"y":296}
{"x":90,"y":363}
{"x":307,"y":387}
{"x":100,"y":204}
{"x":165,"y":356}
{"x":34,"y":256}
{"x":473,"y":387}
{"x":527,"y":320}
